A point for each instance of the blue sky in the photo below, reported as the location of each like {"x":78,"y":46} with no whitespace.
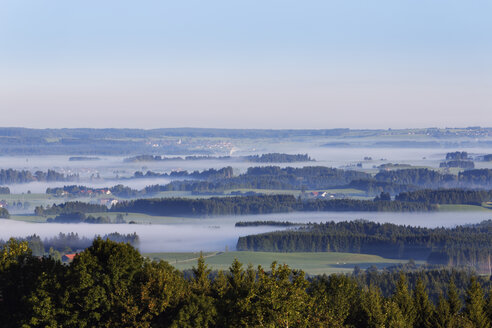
{"x":246,"y":64}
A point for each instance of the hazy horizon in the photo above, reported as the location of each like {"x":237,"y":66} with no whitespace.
{"x":277,"y":64}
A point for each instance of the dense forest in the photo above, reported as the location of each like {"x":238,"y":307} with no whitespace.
{"x":70,"y":207}
{"x":111,"y":285}
{"x":10,"y":176}
{"x":446,"y":196}
{"x":209,"y":206}
{"x":459,"y":246}
{"x":417,"y":177}
{"x":263,"y":204}
{"x":425,"y":178}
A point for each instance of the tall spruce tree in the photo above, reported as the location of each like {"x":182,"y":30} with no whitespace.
{"x":199,"y":309}
{"x":475,"y":305}
{"x":403,"y":298}
{"x":424,"y":309}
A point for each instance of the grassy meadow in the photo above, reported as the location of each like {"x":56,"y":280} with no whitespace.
{"x":311,"y":263}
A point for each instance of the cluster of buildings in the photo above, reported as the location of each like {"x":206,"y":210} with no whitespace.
{"x":318,"y":195}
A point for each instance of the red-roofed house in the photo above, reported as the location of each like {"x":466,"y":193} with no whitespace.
{"x":68,"y":257}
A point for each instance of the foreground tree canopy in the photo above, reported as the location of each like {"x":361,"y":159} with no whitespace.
{"x":111,"y":285}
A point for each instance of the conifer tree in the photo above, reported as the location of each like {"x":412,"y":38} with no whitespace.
{"x":454,"y":300}
{"x":372,"y":305}
{"x":442,"y":315}
{"x":475,"y":305}
{"x":424,"y":309}
{"x":394,"y":317}
{"x":403,"y":299}
{"x":199,"y":309}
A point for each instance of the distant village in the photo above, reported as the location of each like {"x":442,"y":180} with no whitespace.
{"x":102,"y":196}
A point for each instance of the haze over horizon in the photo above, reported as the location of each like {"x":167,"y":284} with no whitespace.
{"x":247,"y":64}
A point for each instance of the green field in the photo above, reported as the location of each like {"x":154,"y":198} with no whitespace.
{"x":28,"y":218}
{"x":311,"y":263}
{"x":136,"y":217}
{"x":463,"y":208}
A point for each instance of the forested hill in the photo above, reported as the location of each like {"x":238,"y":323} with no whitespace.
{"x":447,"y":196}
{"x":462,"y":245}
{"x":10,"y":176}
{"x":425,"y":178}
{"x":258,"y":205}
{"x":319,"y":177}
{"x":268,"y":177}
{"x":210,"y":206}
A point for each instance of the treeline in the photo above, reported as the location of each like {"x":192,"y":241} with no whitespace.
{"x":355,"y":205}
{"x":267,"y":223}
{"x":78,"y":217}
{"x":70,"y":207}
{"x":459,"y":246}
{"x":459,"y":164}
{"x":111,"y":285}
{"x":11,"y":176}
{"x":417,"y":177}
{"x":210,"y":174}
{"x":279,"y":158}
{"x":437,"y":278}
{"x":477,"y":178}
{"x":263,"y":204}
{"x":83,"y":191}
{"x":70,"y":242}
{"x":446,"y":196}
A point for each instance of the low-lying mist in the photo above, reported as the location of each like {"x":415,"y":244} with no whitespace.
{"x":217,"y":233}
{"x":40,"y":187}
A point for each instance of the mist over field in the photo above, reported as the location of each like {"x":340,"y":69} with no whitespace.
{"x":113,"y":170}
{"x":217,"y":233}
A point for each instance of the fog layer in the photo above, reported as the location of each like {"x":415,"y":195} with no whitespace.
{"x":215,"y":234}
